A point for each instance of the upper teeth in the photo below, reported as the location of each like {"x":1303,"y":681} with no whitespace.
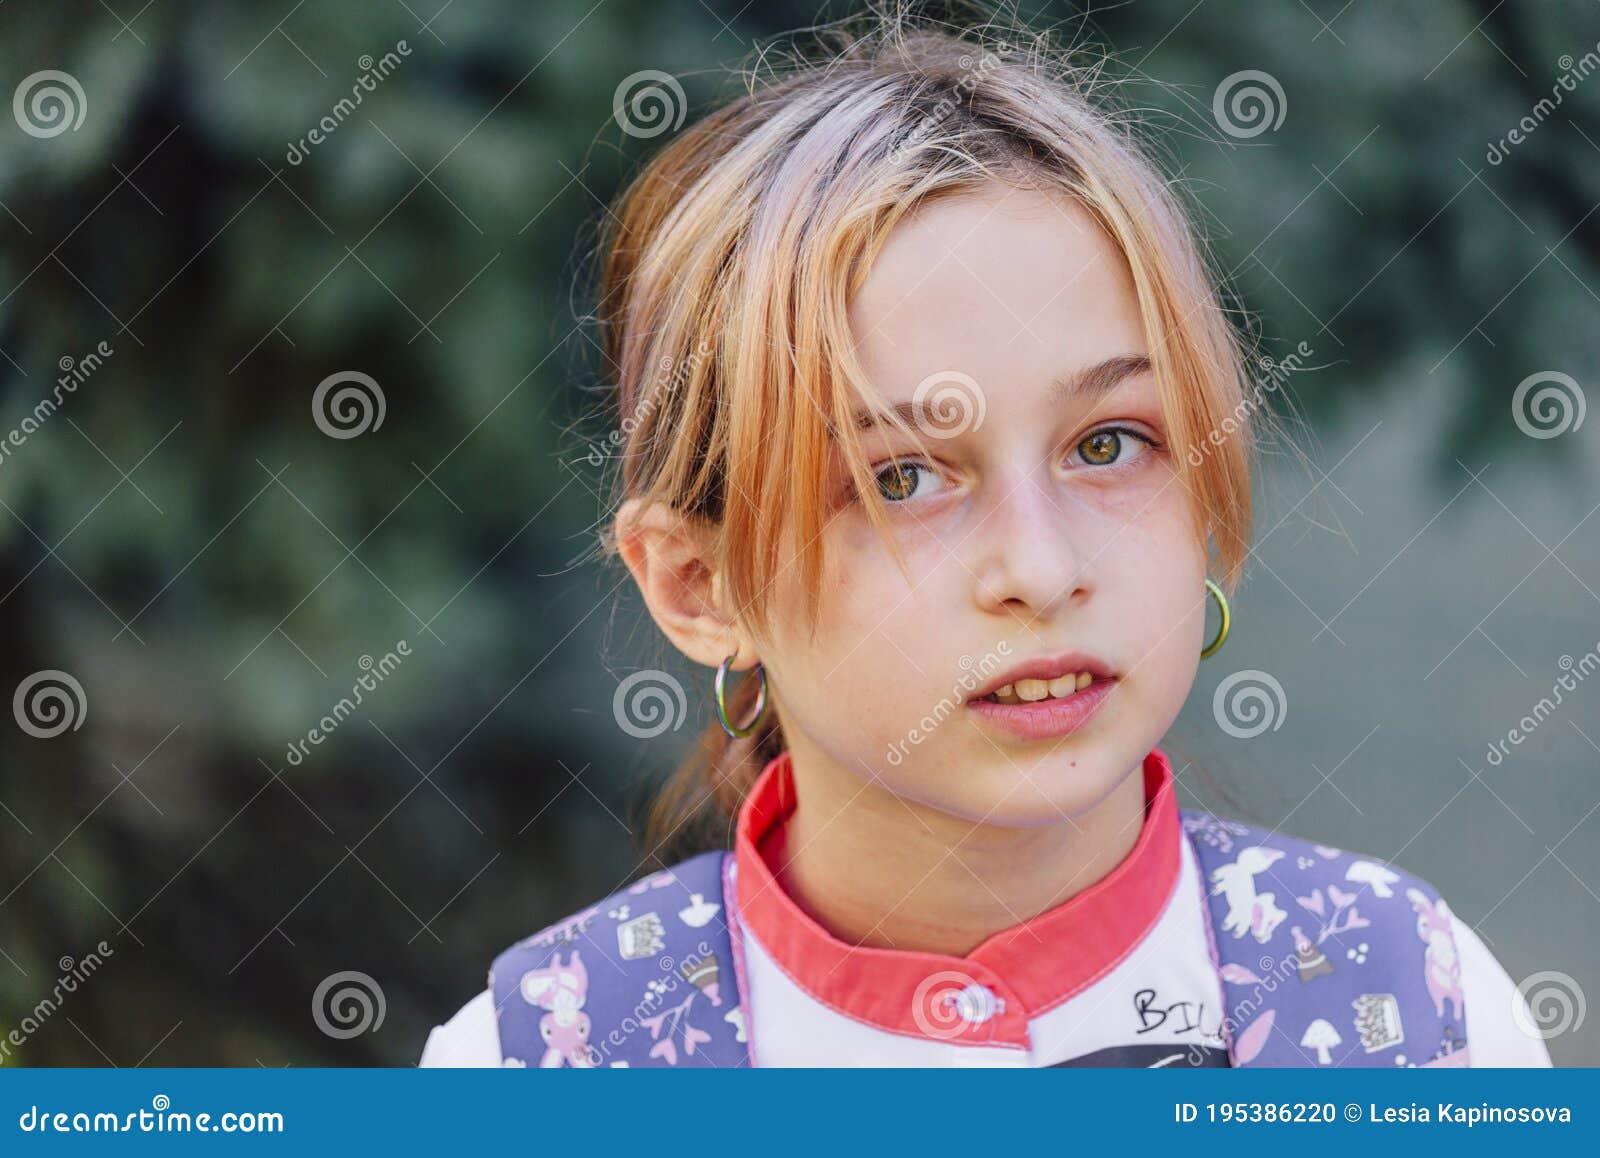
{"x":1028,"y":691}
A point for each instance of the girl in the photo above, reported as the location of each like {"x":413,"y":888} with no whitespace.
{"x":934,"y":422}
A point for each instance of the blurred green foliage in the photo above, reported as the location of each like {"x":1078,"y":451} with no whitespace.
{"x":184,"y":539}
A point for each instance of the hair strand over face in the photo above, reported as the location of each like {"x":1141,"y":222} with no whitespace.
{"x":728,"y":269}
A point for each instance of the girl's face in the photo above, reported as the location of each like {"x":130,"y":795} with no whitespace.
{"x":1046,"y":522}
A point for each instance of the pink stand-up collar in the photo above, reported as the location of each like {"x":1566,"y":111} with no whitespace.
{"x":1030,"y":967}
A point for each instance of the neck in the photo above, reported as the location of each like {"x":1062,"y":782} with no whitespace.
{"x":878,"y":870}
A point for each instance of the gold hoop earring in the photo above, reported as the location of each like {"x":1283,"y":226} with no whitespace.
{"x":720,"y":686}
{"x":1227,"y":619}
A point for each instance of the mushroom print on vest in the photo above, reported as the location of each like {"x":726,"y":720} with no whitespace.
{"x":1294,"y":1007}
{"x":1366,"y":975}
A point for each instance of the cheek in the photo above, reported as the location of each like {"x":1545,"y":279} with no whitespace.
{"x":1159,"y":591}
{"x":872,"y":636}
{"x":865,"y":590}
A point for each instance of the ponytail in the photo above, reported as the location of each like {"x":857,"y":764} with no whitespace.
{"x":697,"y":807}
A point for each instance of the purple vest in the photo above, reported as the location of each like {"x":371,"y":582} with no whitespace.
{"x":648,"y":976}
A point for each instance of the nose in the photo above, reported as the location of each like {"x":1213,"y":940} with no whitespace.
{"x":1029,"y":553}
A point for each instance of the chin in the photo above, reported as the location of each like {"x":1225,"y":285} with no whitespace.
{"x":1062,"y":787}
{"x":1018,"y":793}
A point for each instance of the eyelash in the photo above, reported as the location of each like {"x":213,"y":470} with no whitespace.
{"x":907,"y":465}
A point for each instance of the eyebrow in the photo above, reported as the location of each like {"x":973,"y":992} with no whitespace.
{"x":1100,"y":379}
{"x":1089,"y":382}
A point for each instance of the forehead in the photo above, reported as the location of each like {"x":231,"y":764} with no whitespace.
{"x":1014,"y":287}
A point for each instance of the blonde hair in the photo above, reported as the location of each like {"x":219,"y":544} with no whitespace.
{"x":730,"y":261}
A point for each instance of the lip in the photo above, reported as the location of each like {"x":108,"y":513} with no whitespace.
{"x":1045,"y":719}
{"x":1046,"y":667}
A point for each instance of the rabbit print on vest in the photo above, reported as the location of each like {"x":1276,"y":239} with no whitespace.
{"x":560,"y":990}
{"x":1443,"y":967}
{"x":1248,"y":911}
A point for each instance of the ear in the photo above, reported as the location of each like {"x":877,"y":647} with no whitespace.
{"x":670,"y":556}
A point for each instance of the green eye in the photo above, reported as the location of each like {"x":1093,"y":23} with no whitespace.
{"x":1113,"y":445}
{"x":900,"y":480}
{"x":1101,"y":448}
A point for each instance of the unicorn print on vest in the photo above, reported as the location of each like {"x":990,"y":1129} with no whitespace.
{"x":1402,"y":982}
{"x":1310,"y":960}
{"x":1443,"y":968}
{"x":560,"y":990}
{"x":1248,"y":911}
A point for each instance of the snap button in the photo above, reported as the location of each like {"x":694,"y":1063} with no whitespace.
{"x":975,"y":1003}
{"x":949,"y":1004}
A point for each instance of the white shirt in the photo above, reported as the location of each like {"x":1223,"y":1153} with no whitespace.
{"x":1145,"y":993}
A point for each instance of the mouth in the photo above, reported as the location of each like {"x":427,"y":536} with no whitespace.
{"x":1048,"y":677}
{"x":1030,"y":691}
{"x":1047,"y":698}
